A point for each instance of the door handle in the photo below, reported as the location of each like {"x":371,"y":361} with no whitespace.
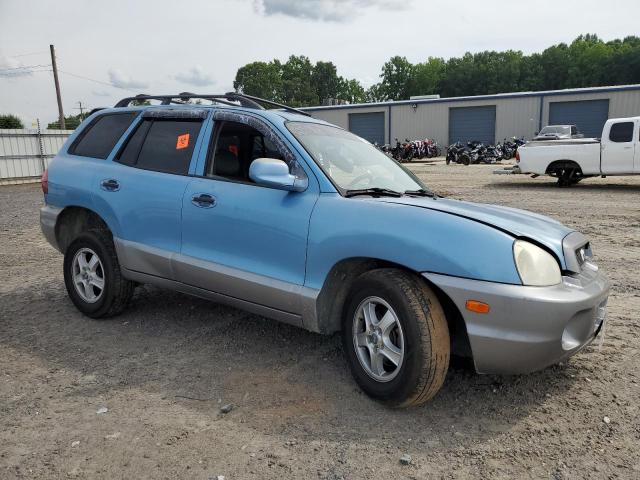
{"x":203,"y":200}
{"x":110,"y":185}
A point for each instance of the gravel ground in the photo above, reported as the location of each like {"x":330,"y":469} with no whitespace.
{"x":164,"y":369}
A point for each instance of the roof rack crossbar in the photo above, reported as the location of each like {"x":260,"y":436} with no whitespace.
{"x":272,"y":103}
{"x":228,"y":98}
{"x":175,"y":99}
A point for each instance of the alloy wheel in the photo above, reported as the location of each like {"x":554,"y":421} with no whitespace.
{"x":88,"y":275}
{"x":378,"y":339}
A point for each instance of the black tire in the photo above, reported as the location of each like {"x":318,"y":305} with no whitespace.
{"x":117,"y":290}
{"x":426,"y":337}
{"x":569,"y":176}
{"x":448,"y":159}
{"x":464,"y":159}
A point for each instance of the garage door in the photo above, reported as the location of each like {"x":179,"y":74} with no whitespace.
{"x":472,"y":123}
{"x":369,"y":126}
{"x":588,"y":115}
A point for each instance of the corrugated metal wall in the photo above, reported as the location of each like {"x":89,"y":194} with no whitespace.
{"x":24,"y":153}
{"x":515,"y":116}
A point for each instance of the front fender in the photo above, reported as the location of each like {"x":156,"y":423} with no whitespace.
{"x":420,"y":239}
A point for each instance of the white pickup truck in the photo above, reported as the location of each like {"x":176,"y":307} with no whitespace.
{"x":571,"y":160}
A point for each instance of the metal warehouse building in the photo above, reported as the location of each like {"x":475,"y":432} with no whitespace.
{"x":488,"y":118}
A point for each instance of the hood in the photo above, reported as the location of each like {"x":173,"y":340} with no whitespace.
{"x":519,"y":223}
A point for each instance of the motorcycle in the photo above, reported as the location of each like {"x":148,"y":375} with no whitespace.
{"x":457,"y":153}
{"x":403,"y":152}
{"x":431,"y":147}
{"x":511,"y":146}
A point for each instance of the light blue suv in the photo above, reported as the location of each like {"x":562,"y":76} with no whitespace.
{"x":295,"y":219}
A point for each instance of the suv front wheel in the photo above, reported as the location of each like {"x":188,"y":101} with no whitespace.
{"x":93,"y":278}
{"x":396,"y":337}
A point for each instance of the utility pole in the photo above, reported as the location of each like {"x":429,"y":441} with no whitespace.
{"x":55,"y":79}
{"x":81,"y":110}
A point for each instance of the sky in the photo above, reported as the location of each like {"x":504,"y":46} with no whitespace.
{"x":107,"y":50}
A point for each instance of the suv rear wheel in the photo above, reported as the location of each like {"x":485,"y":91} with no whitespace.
{"x":396,"y":337}
{"x":93,"y":278}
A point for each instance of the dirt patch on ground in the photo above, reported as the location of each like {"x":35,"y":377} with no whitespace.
{"x":165,"y":367}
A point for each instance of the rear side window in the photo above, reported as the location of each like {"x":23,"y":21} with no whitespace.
{"x":621,"y":132}
{"x":162,"y":145}
{"x":98,"y":139}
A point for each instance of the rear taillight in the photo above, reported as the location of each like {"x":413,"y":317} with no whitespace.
{"x":44,"y":181}
{"x":517,"y":156}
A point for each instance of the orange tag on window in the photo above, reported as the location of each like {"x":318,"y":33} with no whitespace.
{"x":183,"y":141}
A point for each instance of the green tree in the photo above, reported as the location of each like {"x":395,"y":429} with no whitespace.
{"x":623,"y":66}
{"x":297,"y":88}
{"x":589,"y":59}
{"x":585,"y":62}
{"x":71,"y":123}
{"x":555,"y":62}
{"x":375,"y":93}
{"x":260,"y":79}
{"x":10,"y":121}
{"x":351,"y":91}
{"x":427,"y":76}
{"x":325,"y":81}
{"x":396,"y":79}
{"x":140,"y":103}
{"x":531,"y":73}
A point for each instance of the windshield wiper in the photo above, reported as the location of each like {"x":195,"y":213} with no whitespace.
{"x":420,"y":193}
{"x":374,"y":192}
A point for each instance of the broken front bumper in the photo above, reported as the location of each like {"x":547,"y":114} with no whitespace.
{"x":529,"y":328}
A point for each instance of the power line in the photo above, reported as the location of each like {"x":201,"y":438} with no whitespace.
{"x":96,"y":81}
{"x":2,"y":70}
{"x":22,"y":73}
{"x":28,"y":54}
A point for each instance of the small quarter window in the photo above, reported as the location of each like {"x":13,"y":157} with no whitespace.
{"x":98,"y":139}
{"x":621,"y":132}
{"x":129,"y":154}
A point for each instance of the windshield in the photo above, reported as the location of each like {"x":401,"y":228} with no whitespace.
{"x":555,"y":130}
{"x":350,"y":161}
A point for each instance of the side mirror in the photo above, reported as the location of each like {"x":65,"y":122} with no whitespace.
{"x":271,"y":172}
{"x":536,"y":133}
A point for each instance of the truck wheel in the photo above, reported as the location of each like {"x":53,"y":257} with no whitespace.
{"x":395,"y":337}
{"x":93,"y":278}
{"x":569,"y":176}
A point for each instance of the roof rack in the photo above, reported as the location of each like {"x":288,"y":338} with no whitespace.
{"x":228,"y":98}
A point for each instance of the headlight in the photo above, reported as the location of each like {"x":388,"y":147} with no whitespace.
{"x":536,"y":266}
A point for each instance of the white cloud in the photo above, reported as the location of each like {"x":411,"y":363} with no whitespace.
{"x":195,"y":76}
{"x":122,"y":80}
{"x":11,"y":68}
{"x":324,"y":10}
{"x":100,"y":93}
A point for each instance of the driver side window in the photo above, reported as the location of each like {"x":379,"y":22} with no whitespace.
{"x":234,"y":147}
